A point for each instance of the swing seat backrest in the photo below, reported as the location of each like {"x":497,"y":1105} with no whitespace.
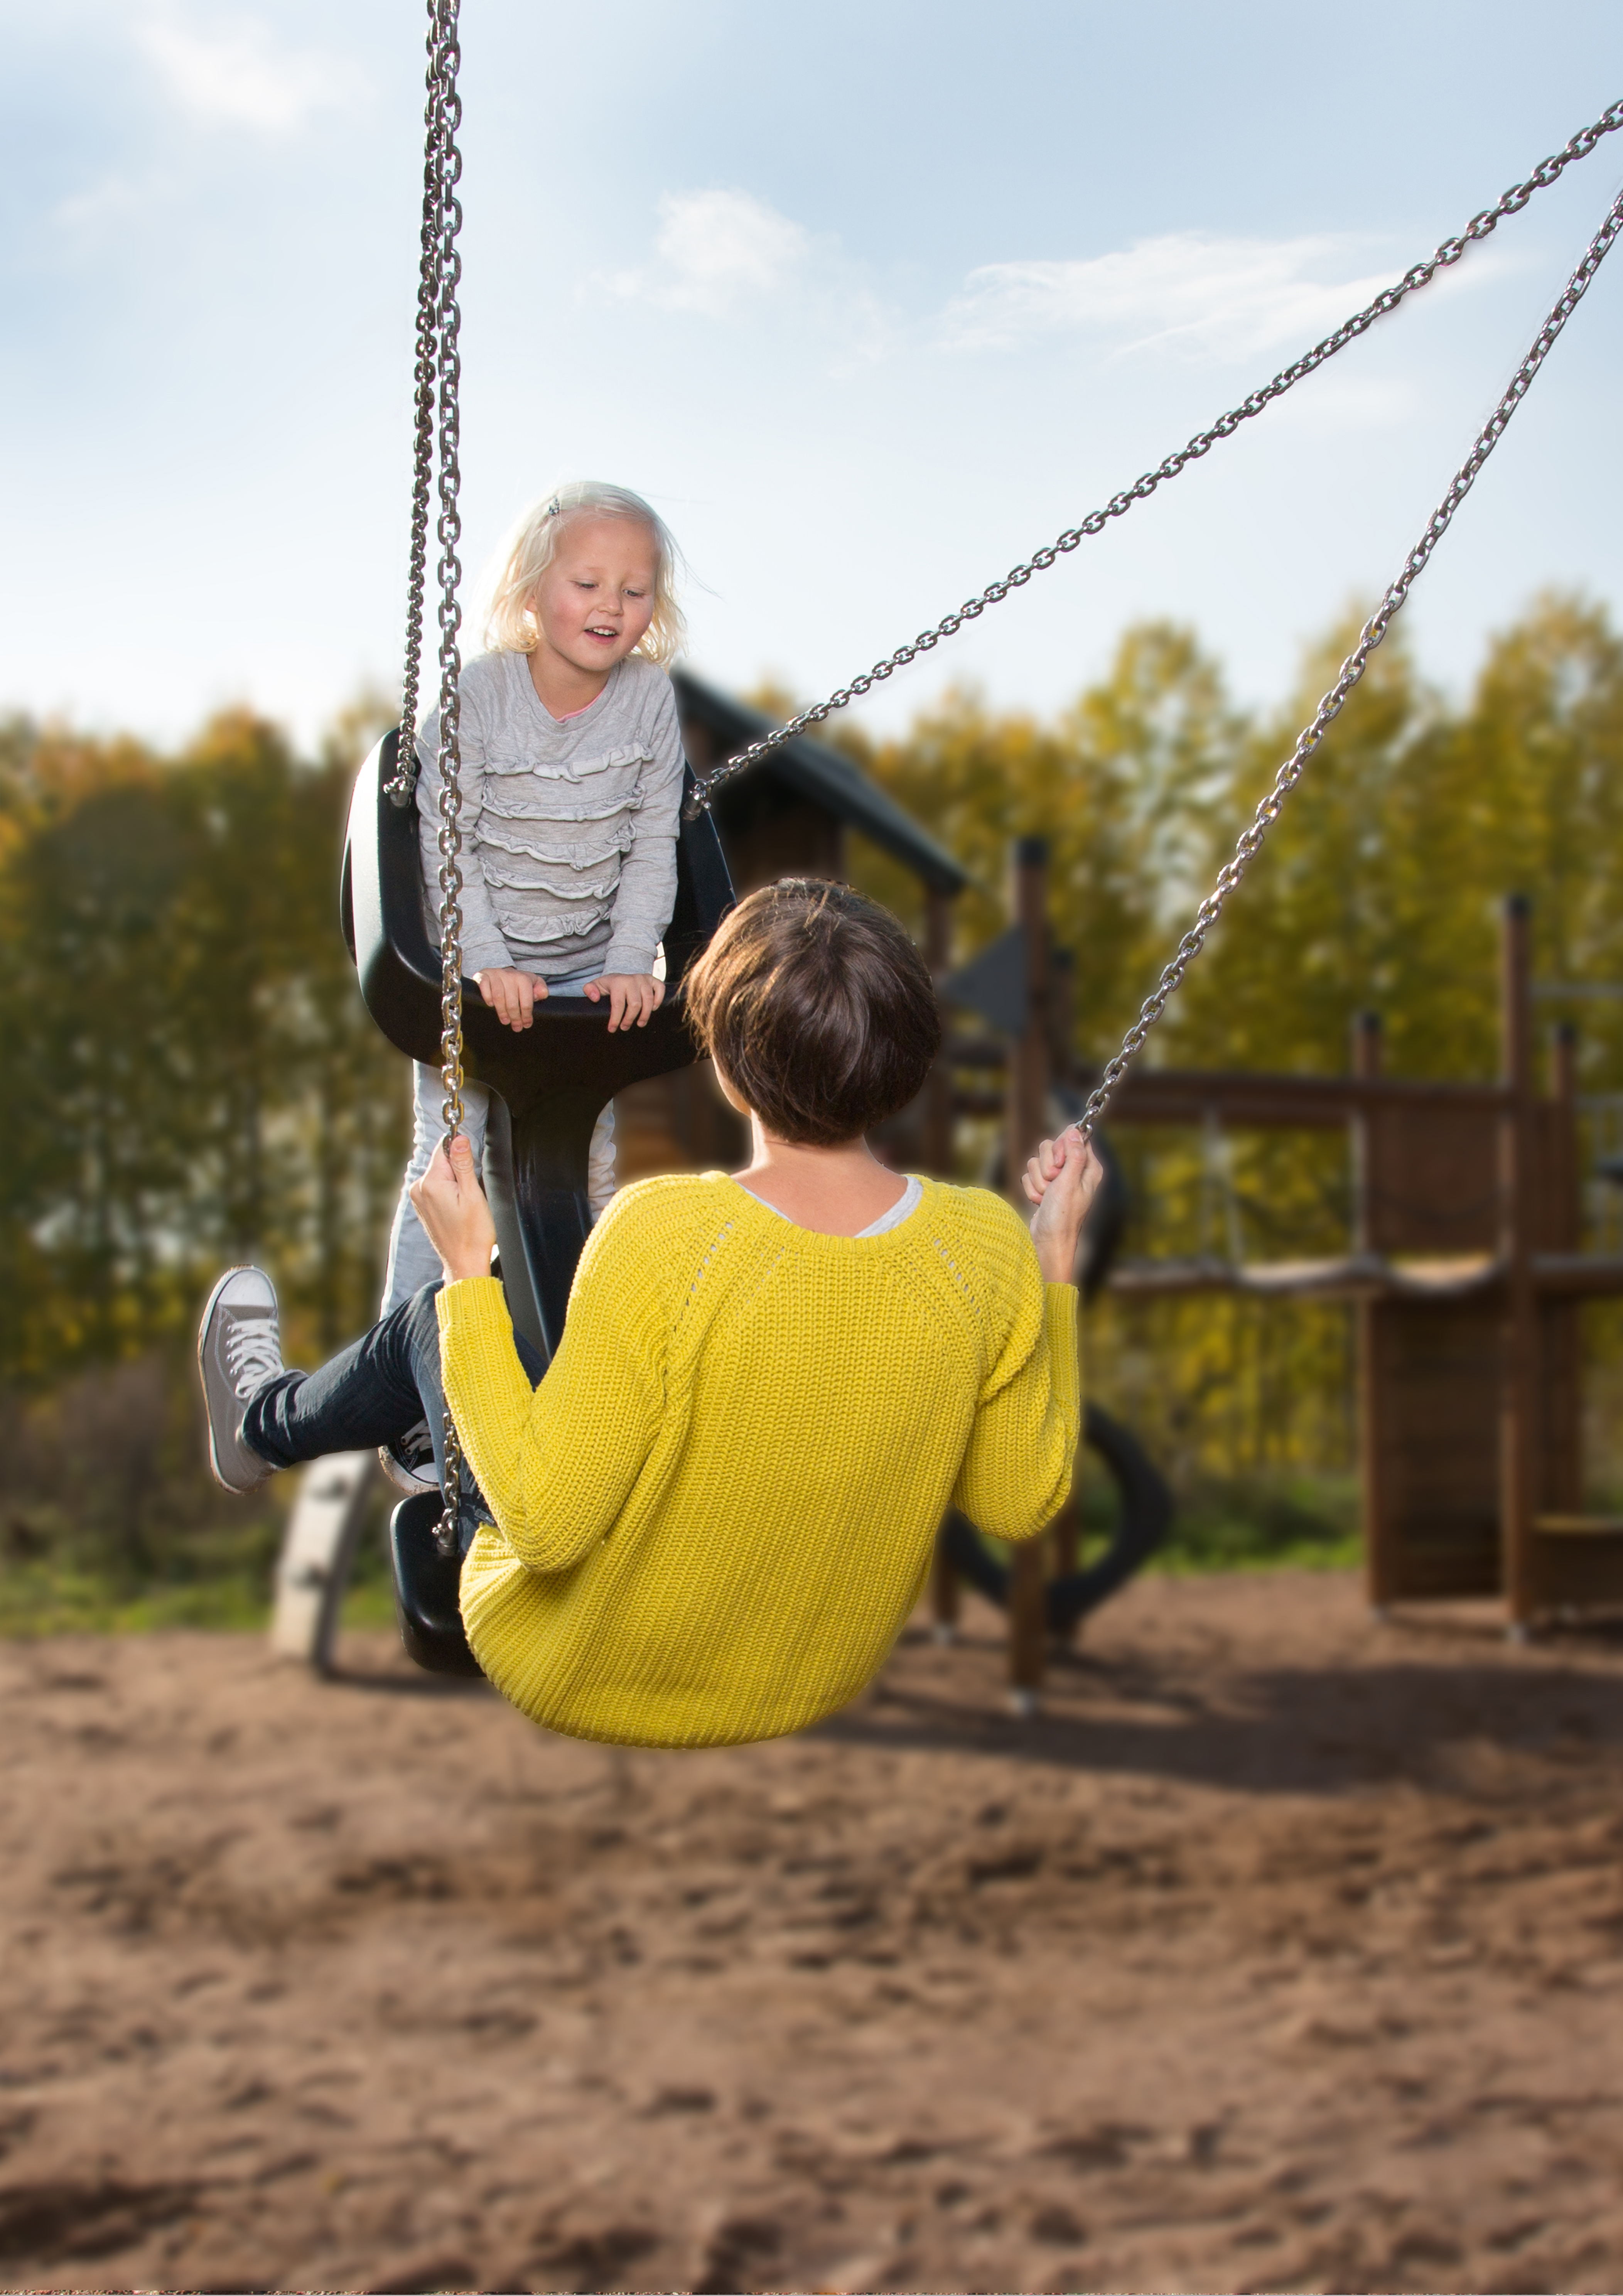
{"x":549,"y":1082}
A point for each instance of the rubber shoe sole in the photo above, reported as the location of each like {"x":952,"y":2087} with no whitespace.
{"x":234,"y":1467}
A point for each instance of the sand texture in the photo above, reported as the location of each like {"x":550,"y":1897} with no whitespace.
{"x":1284,"y":1951}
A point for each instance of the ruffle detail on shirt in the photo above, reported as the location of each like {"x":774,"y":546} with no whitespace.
{"x":541,"y":927}
{"x":577,"y":853}
{"x":553,"y":811}
{"x":524,"y":765}
{"x":511,"y":877}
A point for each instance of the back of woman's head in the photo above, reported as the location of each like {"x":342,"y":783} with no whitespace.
{"x":532,"y":542}
{"x":817,"y":1009}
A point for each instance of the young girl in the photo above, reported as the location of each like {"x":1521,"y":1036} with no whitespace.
{"x":571,"y":783}
{"x":710,"y":1519}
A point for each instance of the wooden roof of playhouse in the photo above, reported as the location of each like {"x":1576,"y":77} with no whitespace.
{"x":789,"y":814}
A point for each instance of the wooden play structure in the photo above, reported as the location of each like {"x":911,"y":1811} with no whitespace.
{"x":1467,"y":1276}
{"x":1465,"y":1271}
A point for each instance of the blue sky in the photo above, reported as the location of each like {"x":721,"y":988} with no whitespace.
{"x":869,"y":298}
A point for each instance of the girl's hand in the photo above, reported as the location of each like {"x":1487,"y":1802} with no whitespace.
{"x":513,"y":994}
{"x":451,"y":1205}
{"x":1061,"y":1180}
{"x":632,"y":996}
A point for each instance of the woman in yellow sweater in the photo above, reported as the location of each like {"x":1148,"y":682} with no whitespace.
{"x":709,"y":1519}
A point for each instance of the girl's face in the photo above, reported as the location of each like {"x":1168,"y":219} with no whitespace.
{"x":594,"y":601}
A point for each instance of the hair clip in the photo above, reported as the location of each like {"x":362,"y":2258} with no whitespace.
{"x":552,"y":510}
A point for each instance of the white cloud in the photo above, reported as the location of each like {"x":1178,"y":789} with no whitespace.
{"x":236,"y":75}
{"x":724,"y":254}
{"x":1229,"y":296}
{"x":719,"y":249}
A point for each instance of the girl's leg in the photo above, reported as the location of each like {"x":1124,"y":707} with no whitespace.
{"x":366,"y":1396}
{"x":413,"y":1260}
{"x":369,"y":1395}
{"x":599,"y":1156}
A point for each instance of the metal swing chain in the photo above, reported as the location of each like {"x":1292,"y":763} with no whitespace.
{"x":436,"y":374}
{"x":399,"y":788}
{"x":1547,"y":172}
{"x":1352,"y":669}
{"x":448,"y":277}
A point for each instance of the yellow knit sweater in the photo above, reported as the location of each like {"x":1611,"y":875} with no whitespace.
{"x":718,"y":1509}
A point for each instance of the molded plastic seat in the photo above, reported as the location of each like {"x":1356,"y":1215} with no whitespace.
{"x":427,"y":1590}
{"x":549,"y":1082}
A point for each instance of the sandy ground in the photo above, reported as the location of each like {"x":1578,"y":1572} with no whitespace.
{"x":1285,"y":1950}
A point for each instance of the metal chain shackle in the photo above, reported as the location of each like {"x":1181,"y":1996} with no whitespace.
{"x":1352,"y":669}
{"x":1547,"y":172}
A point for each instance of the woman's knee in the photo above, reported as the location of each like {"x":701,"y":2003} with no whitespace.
{"x":421,"y":1317}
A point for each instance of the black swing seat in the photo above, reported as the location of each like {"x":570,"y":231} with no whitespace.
{"x":548,"y":1084}
{"x":428,"y":1588}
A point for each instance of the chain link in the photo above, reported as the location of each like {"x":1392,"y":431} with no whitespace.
{"x":1352,"y":669}
{"x":1547,"y":172}
{"x":400,"y":787}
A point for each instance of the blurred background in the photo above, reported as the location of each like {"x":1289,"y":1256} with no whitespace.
{"x":194,"y":1079}
{"x":868,"y":309}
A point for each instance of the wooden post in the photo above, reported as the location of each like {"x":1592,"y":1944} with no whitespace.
{"x":1379,"y":1561}
{"x":1519,"y":1395}
{"x":1029,"y":1074}
{"x":1558,"y":1488}
{"x":1061,"y":1012}
{"x":1566,"y":1208}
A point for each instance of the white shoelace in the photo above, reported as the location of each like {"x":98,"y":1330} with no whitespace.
{"x":253,"y":1353}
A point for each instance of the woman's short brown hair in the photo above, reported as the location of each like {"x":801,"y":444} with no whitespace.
{"x":817,"y":1009}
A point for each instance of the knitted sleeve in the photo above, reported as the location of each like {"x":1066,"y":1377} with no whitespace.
{"x":557,"y":1466}
{"x":1022,"y":1447}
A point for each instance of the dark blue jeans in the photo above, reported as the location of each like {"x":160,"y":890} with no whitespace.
{"x":368,"y":1395}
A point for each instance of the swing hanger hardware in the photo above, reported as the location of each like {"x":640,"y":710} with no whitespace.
{"x":1420,"y":275}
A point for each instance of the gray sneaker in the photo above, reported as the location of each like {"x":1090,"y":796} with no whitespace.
{"x":239,"y":1348}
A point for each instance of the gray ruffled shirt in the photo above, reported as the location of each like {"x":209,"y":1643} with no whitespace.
{"x":569,"y":825}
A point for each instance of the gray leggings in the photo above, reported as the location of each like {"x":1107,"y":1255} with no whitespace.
{"x":413,"y":1260}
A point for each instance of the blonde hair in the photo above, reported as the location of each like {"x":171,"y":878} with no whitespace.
{"x":509,"y":624}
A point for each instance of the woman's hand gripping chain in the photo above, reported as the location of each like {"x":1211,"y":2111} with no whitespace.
{"x":451,"y":1204}
{"x":1061,"y":1180}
